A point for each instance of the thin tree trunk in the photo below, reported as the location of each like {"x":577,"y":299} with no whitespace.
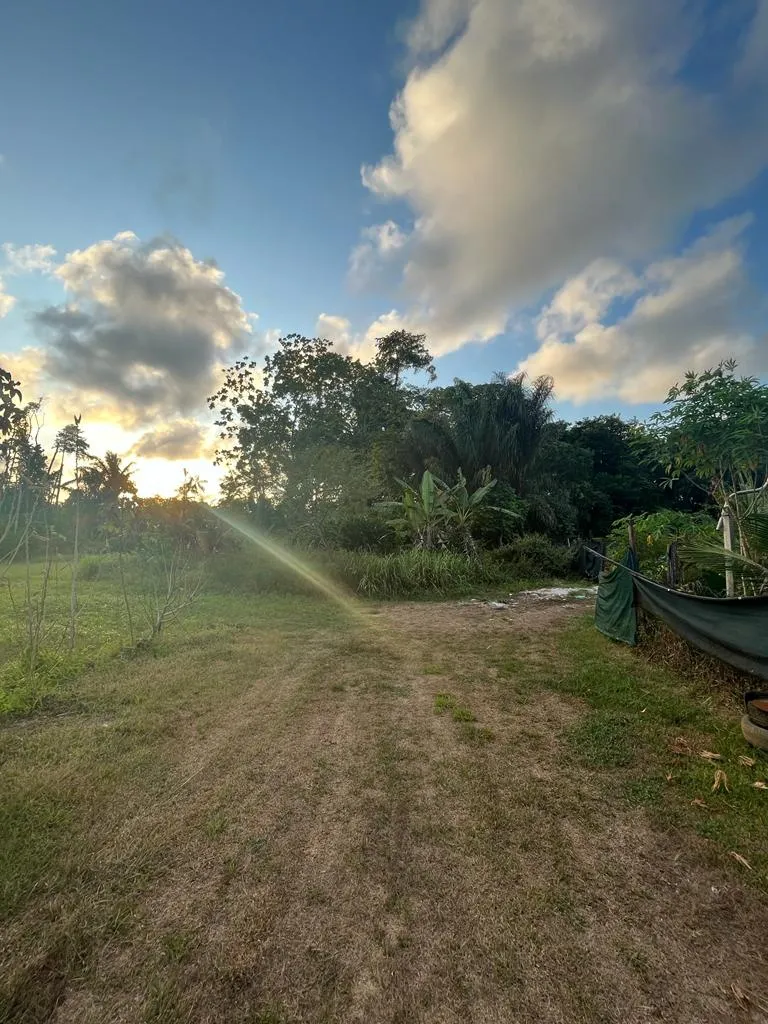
{"x":122,"y":579}
{"x":75,"y":559}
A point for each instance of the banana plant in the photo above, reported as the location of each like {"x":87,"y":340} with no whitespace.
{"x":435,"y":510}
{"x":421,"y":511}
{"x":463,"y":506}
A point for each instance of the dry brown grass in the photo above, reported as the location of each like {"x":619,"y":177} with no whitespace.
{"x":267,"y":830}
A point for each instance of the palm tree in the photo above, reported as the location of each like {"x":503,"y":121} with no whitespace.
{"x":108,"y":479}
{"x":497,"y":426}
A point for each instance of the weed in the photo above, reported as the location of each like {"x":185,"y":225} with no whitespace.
{"x":216,"y":825}
{"x":444,"y":702}
{"x":477,"y":736}
{"x":178,"y":946}
{"x":163,"y":1004}
{"x":459,"y":713}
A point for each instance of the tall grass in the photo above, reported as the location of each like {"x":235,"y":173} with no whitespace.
{"x":404,"y":574}
{"x":413,"y":572}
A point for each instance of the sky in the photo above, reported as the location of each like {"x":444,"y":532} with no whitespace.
{"x":576,"y":188}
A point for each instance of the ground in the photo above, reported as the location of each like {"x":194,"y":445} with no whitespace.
{"x":432,"y":813}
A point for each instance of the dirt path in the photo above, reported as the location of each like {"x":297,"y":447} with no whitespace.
{"x":332,"y":850}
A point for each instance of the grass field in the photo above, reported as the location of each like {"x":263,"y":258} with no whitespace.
{"x":430,"y":812}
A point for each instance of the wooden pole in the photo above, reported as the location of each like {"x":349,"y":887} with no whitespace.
{"x":632,"y":539}
{"x":672,"y":565}
{"x":727,"y":519}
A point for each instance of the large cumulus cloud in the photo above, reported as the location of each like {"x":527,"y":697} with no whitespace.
{"x":685,"y":312}
{"x":533,"y":137}
{"x":146,"y":326}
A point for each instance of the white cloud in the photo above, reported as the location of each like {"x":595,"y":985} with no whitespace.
{"x":25,"y":259}
{"x":533,"y":138}
{"x":25,"y":366}
{"x":686,"y":316}
{"x":7,"y":302}
{"x":362,"y":344}
{"x":379,"y":246}
{"x":337,"y":329}
{"x":586,"y":297}
{"x":147,"y":327}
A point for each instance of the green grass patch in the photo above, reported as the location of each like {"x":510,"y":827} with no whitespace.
{"x":636,"y":714}
{"x":462,"y":714}
{"x":475,"y":735}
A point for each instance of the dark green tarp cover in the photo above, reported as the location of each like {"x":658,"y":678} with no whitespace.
{"x":615,"y":608}
{"x":735,"y":630}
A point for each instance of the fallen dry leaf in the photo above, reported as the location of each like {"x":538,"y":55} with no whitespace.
{"x":746,"y":762}
{"x":680,"y":745}
{"x":669,"y":776}
{"x":741,"y":860}
{"x":698,"y":802}
{"x":760,"y":784}
{"x":721,"y":782}
{"x":710,"y":755}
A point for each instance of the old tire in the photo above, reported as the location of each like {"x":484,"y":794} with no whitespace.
{"x":756,"y":702}
{"x":754,"y":734}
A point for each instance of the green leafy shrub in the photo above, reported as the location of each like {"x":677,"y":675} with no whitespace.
{"x":655,"y":531}
{"x":364,"y":531}
{"x":90,"y":567}
{"x":535,"y":556}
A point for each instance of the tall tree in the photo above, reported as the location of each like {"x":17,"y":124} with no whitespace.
{"x":714,"y":431}
{"x":307,"y":403}
{"x":474,"y":427}
{"x":108,"y":479}
{"x":400,"y":351}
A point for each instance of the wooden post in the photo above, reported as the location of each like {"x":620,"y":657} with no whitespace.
{"x":727,"y":520}
{"x":632,"y":540}
{"x":672,"y":565}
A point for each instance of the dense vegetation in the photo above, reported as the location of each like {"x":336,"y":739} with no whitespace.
{"x":384,"y":483}
{"x":315,"y":441}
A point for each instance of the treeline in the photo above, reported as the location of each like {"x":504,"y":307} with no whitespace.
{"x":329,"y":452}
{"x":318,"y":444}
{"x":52,"y":499}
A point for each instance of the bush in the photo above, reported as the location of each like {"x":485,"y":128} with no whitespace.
{"x":535,"y":556}
{"x":414,"y":572}
{"x":365,"y":532}
{"x":90,"y":567}
{"x":655,"y":531}
{"x":403,"y":574}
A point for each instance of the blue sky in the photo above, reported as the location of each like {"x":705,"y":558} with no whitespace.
{"x":570,"y":187}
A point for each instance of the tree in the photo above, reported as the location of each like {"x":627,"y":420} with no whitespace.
{"x":294,"y":429}
{"x":622,"y":477}
{"x":422,"y":511}
{"x":472,"y":428}
{"x":400,"y":351}
{"x":10,"y":399}
{"x":714,"y":432}
{"x":108,"y":479}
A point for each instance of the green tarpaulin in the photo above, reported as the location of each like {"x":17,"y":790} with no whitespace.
{"x":735,"y":630}
{"x":615,"y":609}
